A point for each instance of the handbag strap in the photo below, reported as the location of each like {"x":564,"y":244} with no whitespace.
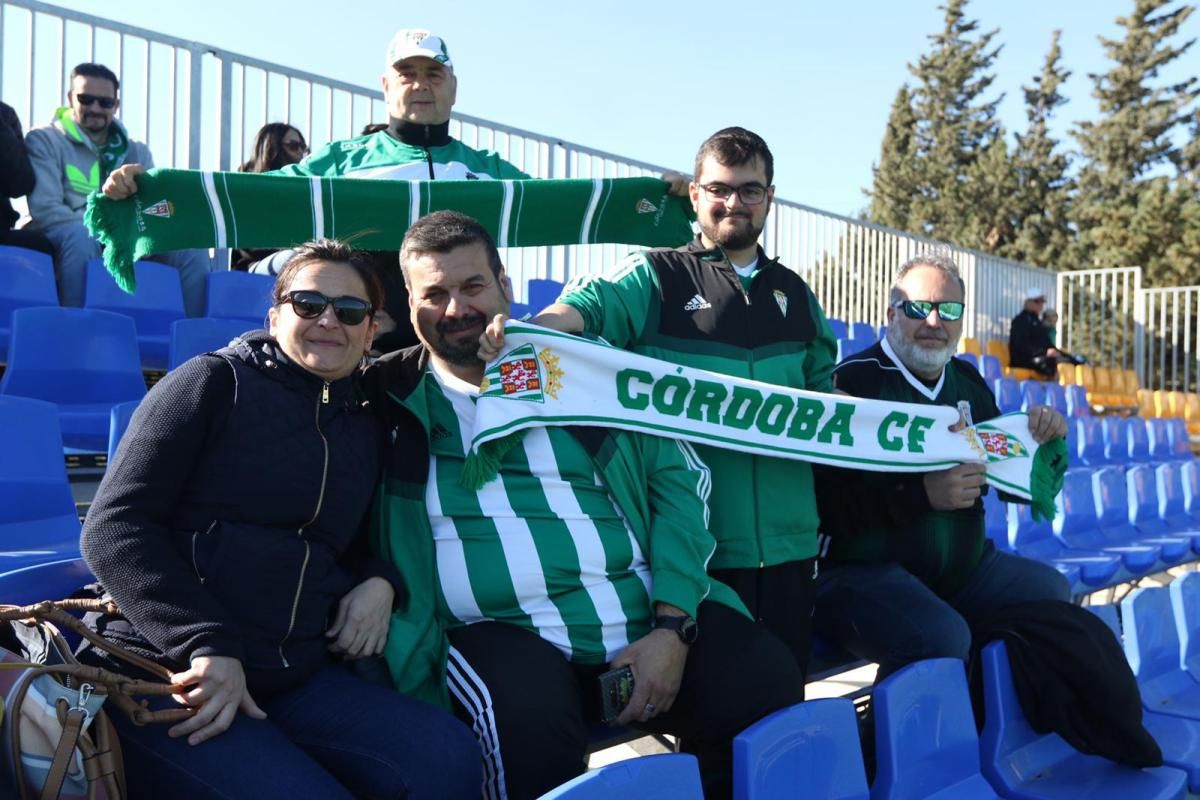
{"x":72,"y":720}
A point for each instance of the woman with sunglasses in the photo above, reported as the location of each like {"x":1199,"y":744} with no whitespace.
{"x":228,"y":532}
{"x":276,"y":145}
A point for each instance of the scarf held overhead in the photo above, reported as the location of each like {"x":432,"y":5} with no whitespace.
{"x":181,"y":209}
{"x":549,"y":378}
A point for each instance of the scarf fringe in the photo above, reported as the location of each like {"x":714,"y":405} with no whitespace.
{"x":120,"y":252}
{"x":1046,"y":478}
{"x":482,"y":466}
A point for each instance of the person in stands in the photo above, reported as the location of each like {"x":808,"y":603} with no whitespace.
{"x":16,"y":180}
{"x":276,"y":145}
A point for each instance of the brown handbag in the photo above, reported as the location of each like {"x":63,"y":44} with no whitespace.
{"x":57,"y":740}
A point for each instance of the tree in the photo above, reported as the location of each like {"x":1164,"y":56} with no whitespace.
{"x":1043,"y":234}
{"x":895,"y":181}
{"x":1127,"y":211}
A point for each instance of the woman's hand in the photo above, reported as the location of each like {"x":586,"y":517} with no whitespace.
{"x":361,"y":626}
{"x":217,"y":686}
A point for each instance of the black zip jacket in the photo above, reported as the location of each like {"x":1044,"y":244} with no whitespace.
{"x":16,"y":174}
{"x":229,"y":521}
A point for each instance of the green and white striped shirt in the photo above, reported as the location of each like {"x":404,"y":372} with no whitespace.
{"x":543,"y":546}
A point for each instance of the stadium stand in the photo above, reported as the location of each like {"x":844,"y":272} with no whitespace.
{"x":971,"y":359}
{"x":1035,"y":539}
{"x":57,"y":578}
{"x":239,"y":295}
{"x":1141,"y":489}
{"x":990,"y":367}
{"x":191,"y":337}
{"x":673,"y":776}
{"x":118,"y":421}
{"x":1032,"y":394}
{"x":1008,"y":395}
{"x":1080,"y":527}
{"x":862,"y":332}
{"x":1056,"y":397}
{"x":541,"y":292}
{"x":26,"y":280}
{"x":157,"y":303}
{"x":840,"y":329}
{"x":1153,"y":649}
{"x":47,"y":362}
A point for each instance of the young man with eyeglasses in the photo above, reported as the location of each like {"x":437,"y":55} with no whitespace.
{"x":71,"y":158}
{"x":720,"y":303}
{"x":904,"y":555}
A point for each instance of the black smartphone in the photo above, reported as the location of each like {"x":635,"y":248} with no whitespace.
{"x":616,"y":687}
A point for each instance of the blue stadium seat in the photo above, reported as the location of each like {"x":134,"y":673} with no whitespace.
{"x":1185,"y":605}
{"x":26,"y":280}
{"x":1024,"y":764}
{"x":191,"y":337}
{"x":971,"y":359}
{"x":1056,"y":397}
{"x":542,"y":292}
{"x":1036,"y":540}
{"x":1107,"y":613}
{"x":1169,"y":477}
{"x":926,"y":743}
{"x":1191,"y":490}
{"x":82,"y":360}
{"x":1088,"y":435}
{"x":1180,"y":439}
{"x":1153,"y":651}
{"x":839,"y":328}
{"x":1141,"y":491}
{"x":50,"y":579}
{"x":850,"y":347}
{"x":674,"y":776}
{"x":992,"y":371}
{"x":38,"y":520}
{"x":995,"y":520}
{"x":1078,"y":524}
{"x":1160,"y":439}
{"x":239,"y":295}
{"x":1033,"y":394}
{"x":862,"y":332}
{"x":881,"y":333}
{"x":118,"y":421}
{"x":157,"y":303}
{"x":1139,"y":441}
{"x":1077,"y":404}
{"x":1008,"y":395}
{"x":1116,"y":439}
{"x":813,"y":744}
{"x":519,"y":310}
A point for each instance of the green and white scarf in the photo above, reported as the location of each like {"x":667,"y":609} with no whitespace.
{"x":179,"y":209}
{"x":549,"y":378}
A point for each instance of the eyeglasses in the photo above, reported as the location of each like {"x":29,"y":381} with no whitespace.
{"x":92,"y":99}
{"x":948,"y":310}
{"x":750,"y":194}
{"x":309,"y":304}
{"x":296,"y":147}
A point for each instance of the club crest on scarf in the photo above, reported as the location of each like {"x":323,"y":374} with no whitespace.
{"x":523,"y":373}
{"x":998,"y":445}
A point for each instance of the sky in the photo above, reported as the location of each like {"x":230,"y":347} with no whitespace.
{"x":650,"y":79}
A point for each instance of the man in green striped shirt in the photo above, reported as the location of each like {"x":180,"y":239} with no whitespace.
{"x":586,"y":553}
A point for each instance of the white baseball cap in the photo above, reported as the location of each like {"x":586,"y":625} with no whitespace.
{"x":1035,"y":294}
{"x":418,"y":42}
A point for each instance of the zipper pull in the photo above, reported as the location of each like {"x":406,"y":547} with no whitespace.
{"x":325,"y":394}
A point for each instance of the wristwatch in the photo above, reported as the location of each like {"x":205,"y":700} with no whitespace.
{"x":685,"y":627}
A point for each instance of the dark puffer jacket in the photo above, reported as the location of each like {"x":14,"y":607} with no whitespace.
{"x":229,"y":522}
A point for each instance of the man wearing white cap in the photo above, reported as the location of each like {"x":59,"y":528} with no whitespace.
{"x":1029,"y":343}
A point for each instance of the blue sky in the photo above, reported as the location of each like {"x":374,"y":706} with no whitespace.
{"x":650,"y":80}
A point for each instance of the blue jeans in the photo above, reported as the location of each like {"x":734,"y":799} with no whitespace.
{"x":882,"y":613}
{"x":337,"y":736}
{"x":74,"y":247}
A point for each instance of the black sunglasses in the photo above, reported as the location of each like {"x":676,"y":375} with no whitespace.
{"x":92,"y":99}
{"x":295,"y":147}
{"x":309,"y":304}
{"x":948,"y":310}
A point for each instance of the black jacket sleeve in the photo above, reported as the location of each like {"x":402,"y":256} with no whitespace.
{"x":128,"y":539}
{"x":16,"y":174}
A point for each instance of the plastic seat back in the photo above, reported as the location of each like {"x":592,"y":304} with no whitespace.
{"x":1139,"y":441}
{"x":996,"y":520}
{"x":1190,"y":477}
{"x":191,"y":337}
{"x":1116,"y":439}
{"x":674,"y":776}
{"x":1159,"y":439}
{"x":1008,"y":395}
{"x":1091,"y":446}
{"x":1178,"y":440}
{"x":1077,"y":524}
{"x":839,"y":328}
{"x":157,"y":303}
{"x":1077,"y":403}
{"x":1107,"y":613}
{"x":1141,"y":482}
{"x":862,"y":332}
{"x":542,"y":292}
{"x":1152,"y":644}
{"x":969,"y":344}
{"x":37,"y":511}
{"x":991,"y":368}
{"x":1185,"y":604}
{"x":971,"y":359}
{"x":26,"y":280}
{"x":50,"y":578}
{"x":1056,"y":397}
{"x":239,"y":295}
{"x":813,"y":744}
{"x":118,"y":422}
{"x":1032,"y":394}
{"x":1169,"y":484}
{"x":926,"y":743}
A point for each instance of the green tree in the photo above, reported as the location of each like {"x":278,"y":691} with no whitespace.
{"x":895,"y":180}
{"x":1128,"y":212}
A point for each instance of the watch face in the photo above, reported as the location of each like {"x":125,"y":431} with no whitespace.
{"x":688,"y":630}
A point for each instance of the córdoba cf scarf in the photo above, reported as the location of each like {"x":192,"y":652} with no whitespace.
{"x":179,"y":209}
{"x":550,"y":378}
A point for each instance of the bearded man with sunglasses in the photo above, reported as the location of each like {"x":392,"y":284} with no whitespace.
{"x":71,"y":158}
{"x":904,"y":555}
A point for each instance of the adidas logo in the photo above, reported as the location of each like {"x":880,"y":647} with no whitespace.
{"x":438,"y":433}
{"x":697,"y":303}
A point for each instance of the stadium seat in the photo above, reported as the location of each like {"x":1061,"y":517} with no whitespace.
{"x":851,"y":347}
{"x":1021,"y":763}
{"x":971,"y":359}
{"x":1068,"y":374}
{"x":26,"y":280}
{"x":813,"y":744}
{"x":1078,"y":524}
{"x":1191,"y":490}
{"x":1176,"y":404}
{"x":1153,"y":650}
{"x":881,"y":332}
{"x":118,"y":421}
{"x":862,"y":332}
{"x":1171,"y":510}
{"x":519,"y":310}
{"x":999,"y":349}
{"x":989,"y":365}
{"x":969,"y":344}
{"x":1162,"y":403}
{"x":1032,"y":394}
{"x":1159,"y":439}
{"x":542,"y":292}
{"x":995,"y":519}
{"x":1185,"y":605}
{"x":1086,"y":438}
{"x":1141,"y":484}
{"x":157,"y":303}
{"x":1145,"y":403}
{"x":1139,"y":441}
{"x":1107,"y":613}
{"x":50,"y":579}
{"x":82,"y":360}
{"x":1036,"y":540}
{"x":239,"y":295}
{"x":191,"y":337}
{"x":1008,"y":395}
{"x":1077,"y":404}
{"x":674,"y":776}
{"x":1115,"y":432}
{"x":1179,"y":440}
{"x":839,"y":328}
{"x":1056,"y":397}
{"x":1192,"y":414}
{"x":925,"y":740}
{"x":38,"y":520}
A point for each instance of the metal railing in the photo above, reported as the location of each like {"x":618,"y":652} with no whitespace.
{"x":199,"y":106}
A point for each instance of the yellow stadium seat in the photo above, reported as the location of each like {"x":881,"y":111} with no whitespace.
{"x":969,"y":344}
{"x":1192,"y":413}
{"x":1161,"y":408}
{"x":1176,"y":404}
{"x":999,"y":349}
{"x":1145,"y":401}
{"x":1068,"y":374}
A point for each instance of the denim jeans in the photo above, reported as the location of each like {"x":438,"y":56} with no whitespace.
{"x":74,"y":247}
{"x":337,"y":736}
{"x":882,"y":613}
